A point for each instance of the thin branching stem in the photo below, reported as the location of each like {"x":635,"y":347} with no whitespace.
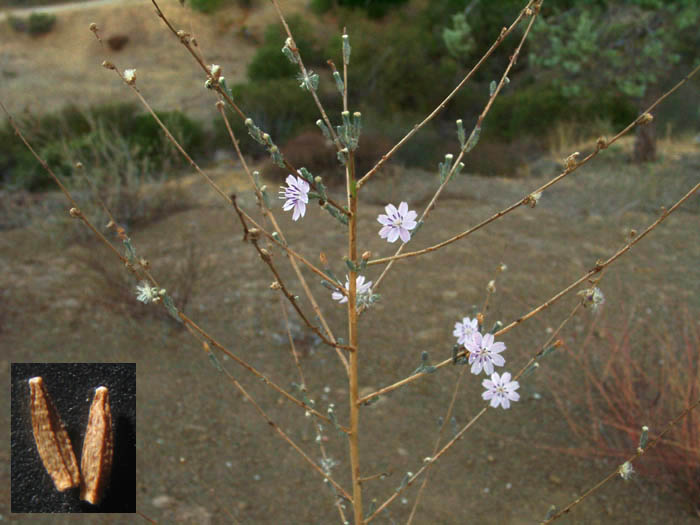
{"x":283,"y":435}
{"x":427,"y":465}
{"x":353,"y":436}
{"x":230,"y":200}
{"x":345,"y":77}
{"x":302,"y":382}
{"x":223,"y":194}
{"x":445,"y":420}
{"x":266,"y":256}
{"x":304,"y":74}
{"x":185,"y":319}
{"x":240,"y":212}
{"x":469,"y":424}
{"x":185,"y":39}
{"x":503,"y":34}
{"x":204,"y":335}
{"x":455,"y":165}
{"x":600,"y":265}
{"x":527,"y":199}
{"x":640,"y":452}
{"x":267,"y":213}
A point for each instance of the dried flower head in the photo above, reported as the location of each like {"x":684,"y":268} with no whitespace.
{"x":130,"y":76}
{"x":571,"y":160}
{"x":147,"y":293}
{"x":626,"y":470}
{"x":645,"y":118}
{"x":532,"y":199}
{"x":592,"y":297}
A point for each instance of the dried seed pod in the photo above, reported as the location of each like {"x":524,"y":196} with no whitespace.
{"x":51,"y":438}
{"x":96,"y":460}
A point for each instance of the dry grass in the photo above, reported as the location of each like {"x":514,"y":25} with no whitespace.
{"x":637,"y":368}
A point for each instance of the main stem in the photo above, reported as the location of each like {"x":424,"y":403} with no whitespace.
{"x":352,"y":335}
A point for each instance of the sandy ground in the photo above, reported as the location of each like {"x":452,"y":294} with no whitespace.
{"x":41,"y":74}
{"x":68,"y":7}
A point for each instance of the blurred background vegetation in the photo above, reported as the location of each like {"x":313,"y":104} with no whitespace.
{"x":589,"y":67}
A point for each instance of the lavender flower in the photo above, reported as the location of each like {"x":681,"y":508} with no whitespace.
{"x":363,"y":289}
{"x":397,"y":223}
{"x":296,"y":194}
{"x":465,"y":330}
{"x":484,"y":353}
{"x":500,"y":390}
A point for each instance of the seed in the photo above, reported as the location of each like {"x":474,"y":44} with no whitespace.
{"x":51,"y":438}
{"x":96,"y":460}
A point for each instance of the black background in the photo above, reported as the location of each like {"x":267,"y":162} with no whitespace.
{"x":72,"y":386}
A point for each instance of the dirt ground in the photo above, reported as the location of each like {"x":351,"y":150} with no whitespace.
{"x":204,"y":456}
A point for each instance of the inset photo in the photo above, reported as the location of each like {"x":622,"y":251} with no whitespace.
{"x":73,"y":437}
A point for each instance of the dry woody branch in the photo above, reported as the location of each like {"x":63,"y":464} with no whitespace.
{"x":51,"y":438}
{"x":98,"y":447}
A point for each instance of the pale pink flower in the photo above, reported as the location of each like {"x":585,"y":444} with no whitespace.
{"x":296,"y":194}
{"x":484,"y":353}
{"x":397,"y":222}
{"x":362,"y":289}
{"x":465,"y":330}
{"x":500,"y":390}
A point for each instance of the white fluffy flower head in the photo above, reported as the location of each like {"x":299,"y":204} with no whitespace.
{"x":363,"y":289}
{"x":130,"y":76}
{"x":147,"y":293}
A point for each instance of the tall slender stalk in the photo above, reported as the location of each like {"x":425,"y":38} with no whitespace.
{"x":352,"y":336}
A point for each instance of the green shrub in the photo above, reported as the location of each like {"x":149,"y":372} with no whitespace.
{"x":74,"y":134}
{"x":532,"y":110}
{"x":36,"y":24}
{"x":397,"y":66}
{"x":205,"y":6}
{"x":278,"y":107}
{"x":209,"y":6}
{"x":321,"y":6}
{"x":269,"y":62}
{"x":18,"y":23}
{"x":146,"y":136}
{"x":40,"y":23}
{"x":374,"y":8}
